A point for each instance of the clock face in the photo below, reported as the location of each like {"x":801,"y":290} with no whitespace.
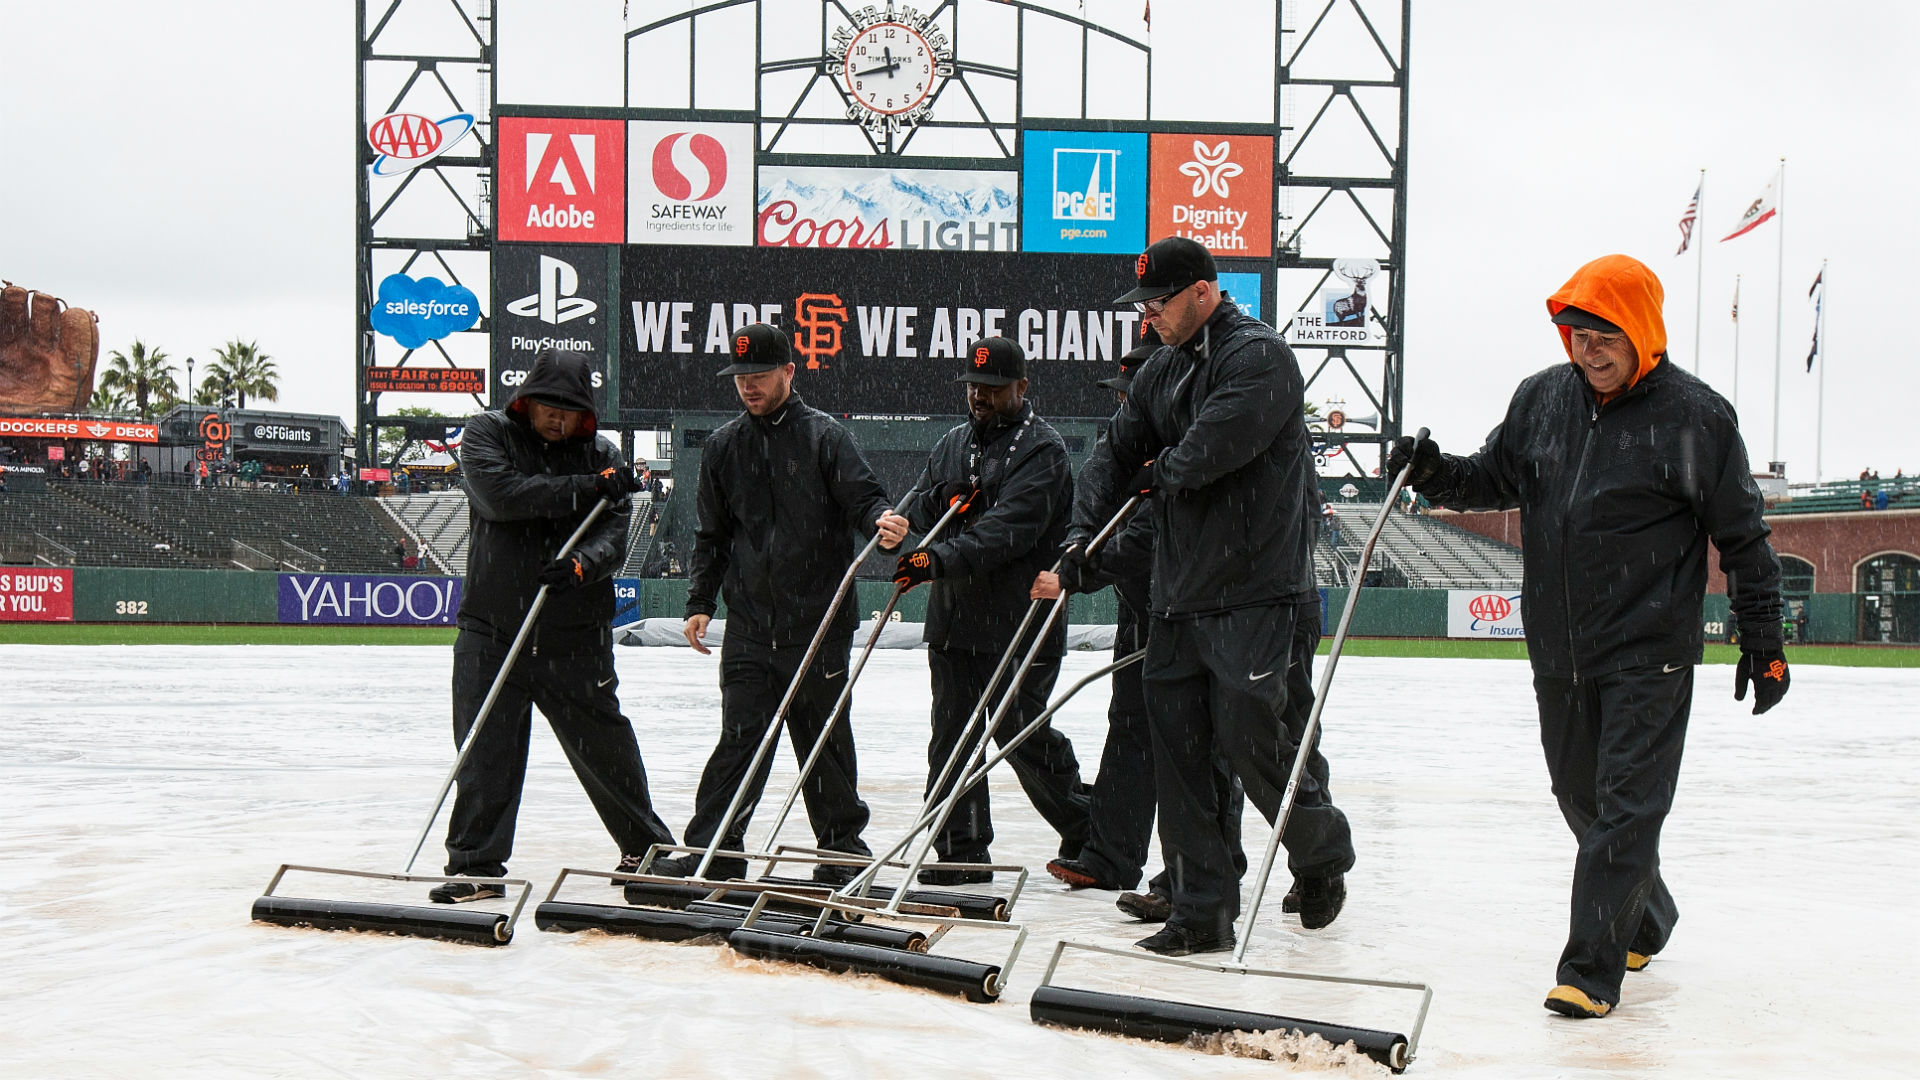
{"x":890,"y":68}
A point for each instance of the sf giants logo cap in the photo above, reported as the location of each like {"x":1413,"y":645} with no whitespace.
{"x":759,"y":347}
{"x":994,"y":361}
{"x":980,"y":356}
{"x":1140,"y":266}
{"x":741,"y":344}
{"x":1167,"y":267}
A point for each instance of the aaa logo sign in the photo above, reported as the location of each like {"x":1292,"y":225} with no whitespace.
{"x":1471,"y":613}
{"x":1217,"y":189}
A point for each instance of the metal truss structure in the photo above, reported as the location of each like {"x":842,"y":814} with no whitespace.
{"x":432,"y":58}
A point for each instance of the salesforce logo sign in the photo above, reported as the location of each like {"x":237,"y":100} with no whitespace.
{"x":414,"y":312}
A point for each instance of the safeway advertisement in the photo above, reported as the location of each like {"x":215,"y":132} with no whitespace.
{"x":36,"y":596}
{"x":875,"y":209}
{"x":689,"y":183}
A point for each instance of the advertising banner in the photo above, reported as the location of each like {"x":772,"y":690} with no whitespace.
{"x":1244,"y":289}
{"x":1480,"y":614}
{"x":426,"y":380}
{"x":36,"y":595}
{"x":561,"y":180}
{"x":549,"y":297}
{"x":877,"y":333}
{"x":1085,"y":191}
{"x":880,"y":209}
{"x":1344,"y":315}
{"x":689,"y":183}
{"x":626,"y":600}
{"x":414,"y":311}
{"x":368,"y":599}
{"x":1217,"y":189}
{"x":103,"y":430}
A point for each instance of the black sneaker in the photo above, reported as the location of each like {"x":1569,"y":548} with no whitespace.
{"x":629,"y":864}
{"x":1146,"y":906}
{"x":941,"y":876}
{"x":1173,"y":940}
{"x":1078,"y":875}
{"x":683,"y":866}
{"x":464,"y":892}
{"x":1290,"y":903}
{"x":834,"y":877}
{"x":1321,"y":899}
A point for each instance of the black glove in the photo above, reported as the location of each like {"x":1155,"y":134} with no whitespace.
{"x":1424,"y":454}
{"x":1141,"y":483}
{"x":1078,"y":570}
{"x":1767,"y":669}
{"x":614,"y":483}
{"x":960,"y":492}
{"x":562,"y":574}
{"x":916,"y":566}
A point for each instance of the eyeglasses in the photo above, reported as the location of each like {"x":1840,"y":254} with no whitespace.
{"x":1159,"y":303}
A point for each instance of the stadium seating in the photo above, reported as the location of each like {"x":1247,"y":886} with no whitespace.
{"x":203,"y":523}
{"x":1428,"y":553}
{"x":1842,"y":496}
{"x":95,"y":538}
{"x":440,"y":521}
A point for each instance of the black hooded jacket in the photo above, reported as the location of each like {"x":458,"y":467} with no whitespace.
{"x":525,"y":496}
{"x":988,"y":563}
{"x":1617,"y":503}
{"x":1220,"y":416}
{"x":785,"y":500}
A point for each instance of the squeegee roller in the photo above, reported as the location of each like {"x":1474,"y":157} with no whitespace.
{"x":467,"y":927}
{"x":1177,"y":1021}
{"x":943,"y":974}
{"x":705,"y":918}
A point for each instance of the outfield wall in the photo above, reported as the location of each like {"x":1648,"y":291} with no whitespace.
{"x":105,"y":595}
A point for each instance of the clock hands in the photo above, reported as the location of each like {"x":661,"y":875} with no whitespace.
{"x":890,"y":66}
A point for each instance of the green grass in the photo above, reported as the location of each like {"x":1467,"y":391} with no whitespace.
{"x":171,"y":634}
{"x":1449,"y":648}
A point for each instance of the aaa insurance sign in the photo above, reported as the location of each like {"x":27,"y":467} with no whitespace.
{"x":550,"y":298}
{"x":1217,"y":189}
{"x":1084,"y":191}
{"x":690,"y":184}
{"x":1482,"y":614}
{"x":561,"y":179}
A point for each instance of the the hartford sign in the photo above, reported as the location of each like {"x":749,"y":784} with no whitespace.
{"x":1484,"y":614}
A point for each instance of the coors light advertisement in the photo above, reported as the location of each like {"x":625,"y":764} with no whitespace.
{"x":888,"y":209}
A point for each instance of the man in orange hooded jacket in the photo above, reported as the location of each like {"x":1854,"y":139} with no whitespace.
{"x":1622,"y":466}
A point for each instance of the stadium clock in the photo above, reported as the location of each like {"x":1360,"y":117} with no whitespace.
{"x":889,"y":64}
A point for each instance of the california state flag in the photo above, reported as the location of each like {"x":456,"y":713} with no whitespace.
{"x":1762,"y":209}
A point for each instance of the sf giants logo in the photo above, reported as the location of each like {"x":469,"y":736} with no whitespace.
{"x":1777,"y":670}
{"x":821,"y":317}
{"x":1140,"y":266}
{"x":980,"y":356}
{"x":740,"y":345}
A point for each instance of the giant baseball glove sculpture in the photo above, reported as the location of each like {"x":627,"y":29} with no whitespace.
{"x":47,"y":352}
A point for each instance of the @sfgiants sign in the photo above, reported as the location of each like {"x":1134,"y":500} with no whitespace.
{"x":874,"y":332}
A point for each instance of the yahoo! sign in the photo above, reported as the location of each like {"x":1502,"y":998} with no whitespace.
{"x":369,"y":599}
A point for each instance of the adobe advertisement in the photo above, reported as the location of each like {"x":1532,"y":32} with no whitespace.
{"x":549,"y":297}
{"x":885,"y":209}
{"x":689,"y":183}
{"x":1084,"y":191}
{"x":1217,"y":189}
{"x":30,"y":595}
{"x":561,"y":179}
{"x":875,"y":333}
{"x":1478,"y":613}
{"x":369,"y":599}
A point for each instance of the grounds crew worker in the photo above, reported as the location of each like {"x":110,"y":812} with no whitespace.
{"x":1013,"y":466}
{"x":1213,"y":429}
{"x":785,"y":503}
{"x":533,"y":471}
{"x":1623,"y":466}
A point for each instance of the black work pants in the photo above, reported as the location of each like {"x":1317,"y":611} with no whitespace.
{"x":577,"y":695}
{"x":754,"y":676}
{"x":1239,"y":685}
{"x":1120,"y":806}
{"x":1613,"y":747}
{"x":1044,"y":763}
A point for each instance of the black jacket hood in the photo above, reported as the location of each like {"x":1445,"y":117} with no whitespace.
{"x":563,"y":380}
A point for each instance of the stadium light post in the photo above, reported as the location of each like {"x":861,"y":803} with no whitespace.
{"x":189,"y":380}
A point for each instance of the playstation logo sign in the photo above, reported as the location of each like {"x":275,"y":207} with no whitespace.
{"x":554,"y":300}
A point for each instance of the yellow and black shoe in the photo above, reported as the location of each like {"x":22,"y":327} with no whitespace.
{"x":1637,"y":960}
{"x":1574,"y":1002}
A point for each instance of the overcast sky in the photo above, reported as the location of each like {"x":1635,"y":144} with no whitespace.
{"x":184,"y":170}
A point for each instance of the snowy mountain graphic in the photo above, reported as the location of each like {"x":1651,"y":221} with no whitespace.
{"x":874,"y":195}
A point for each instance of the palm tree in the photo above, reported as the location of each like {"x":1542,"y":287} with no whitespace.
{"x":145,"y":374}
{"x":216,"y":387}
{"x":243,"y":369}
{"x":108,"y":399}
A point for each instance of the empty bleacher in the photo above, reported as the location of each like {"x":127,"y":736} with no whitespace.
{"x":440,"y":521}
{"x":341,"y":532}
{"x":94,"y":538}
{"x":1428,"y":553}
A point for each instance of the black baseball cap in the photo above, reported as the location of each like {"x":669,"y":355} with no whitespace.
{"x":758,"y":347}
{"x":994,"y":361}
{"x":1168,"y":266}
{"x":1584,"y":320}
{"x":1130,"y":363}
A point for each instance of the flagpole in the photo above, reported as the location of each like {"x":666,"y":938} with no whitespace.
{"x":1820,"y":408}
{"x":1779,"y":305}
{"x":1736,"y":344}
{"x":1699,"y":265}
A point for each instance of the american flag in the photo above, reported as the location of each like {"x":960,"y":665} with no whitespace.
{"x":1687,"y":219}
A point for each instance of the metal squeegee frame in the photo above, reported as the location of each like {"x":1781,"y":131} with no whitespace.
{"x":504,"y":934}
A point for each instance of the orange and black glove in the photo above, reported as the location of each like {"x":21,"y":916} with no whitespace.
{"x":615,"y":483}
{"x":1767,"y":670}
{"x":562,"y":574}
{"x":958,"y":493}
{"x":916,"y":566}
{"x":1142,"y":482}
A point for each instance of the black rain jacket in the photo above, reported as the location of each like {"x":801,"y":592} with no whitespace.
{"x":525,"y":496}
{"x":1221,"y":418}
{"x":988,"y":563}
{"x":1617,"y":502}
{"x":785,"y":501}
